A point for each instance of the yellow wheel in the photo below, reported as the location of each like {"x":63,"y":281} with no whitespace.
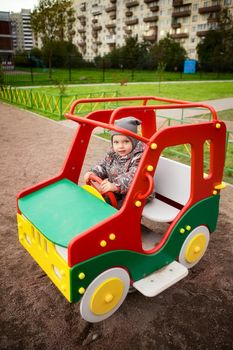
{"x":194,"y":247}
{"x":105,"y":295}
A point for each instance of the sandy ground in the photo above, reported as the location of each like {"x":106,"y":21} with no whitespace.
{"x":196,"y":313}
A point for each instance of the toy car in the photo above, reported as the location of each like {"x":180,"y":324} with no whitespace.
{"x":94,"y":252}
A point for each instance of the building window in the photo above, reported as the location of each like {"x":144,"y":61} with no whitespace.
{"x":194,"y":18}
{"x":195,"y":6}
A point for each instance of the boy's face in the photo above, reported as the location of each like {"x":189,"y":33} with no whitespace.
{"x":121,"y":145}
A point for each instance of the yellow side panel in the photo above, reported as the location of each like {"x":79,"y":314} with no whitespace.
{"x":45,"y":254}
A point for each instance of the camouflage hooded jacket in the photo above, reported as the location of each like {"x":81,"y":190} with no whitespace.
{"x":120,"y":170}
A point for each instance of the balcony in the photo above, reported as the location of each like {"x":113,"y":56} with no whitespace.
{"x":110,"y":25}
{"x":131,"y":3}
{"x":82,"y":30}
{"x":131,"y":22}
{"x":81,"y":18}
{"x":96,"y":28}
{"x":176,"y":25}
{"x":113,"y":1}
{"x":83,"y":22}
{"x":82,"y":44}
{"x":179,"y":36}
{"x":209,"y":9}
{"x":83,"y":7}
{"x":113,"y":15}
{"x":128,"y":31}
{"x":177,"y":3}
{"x":129,"y":13}
{"x":110,"y":39}
{"x":150,"y":1}
{"x":150,"y":19}
{"x":96,"y":11}
{"x":212,"y":19}
{"x":110,"y":8}
{"x":95,"y":35}
{"x":202,"y":33}
{"x":184,"y":13}
{"x":154,"y":8}
{"x":152,"y":37}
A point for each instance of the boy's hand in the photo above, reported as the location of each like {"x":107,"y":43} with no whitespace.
{"x":107,"y":186}
{"x":87,"y":175}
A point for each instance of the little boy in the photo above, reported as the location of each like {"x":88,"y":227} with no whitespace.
{"x":119,"y":166}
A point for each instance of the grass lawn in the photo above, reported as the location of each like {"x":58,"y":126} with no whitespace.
{"x":23,"y":76}
{"x":187,"y":91}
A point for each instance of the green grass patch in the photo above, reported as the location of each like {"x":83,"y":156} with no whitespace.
{"x":104,"y":135}
{"x":191,"y":92}
{"x":36,"y":76}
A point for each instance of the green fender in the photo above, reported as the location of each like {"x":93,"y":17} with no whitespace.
{"x":140,"y":265}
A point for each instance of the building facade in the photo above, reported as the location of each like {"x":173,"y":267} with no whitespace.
{"x":106,"y":24}
{"x":22,"y":31}
{"x":6,"y":36}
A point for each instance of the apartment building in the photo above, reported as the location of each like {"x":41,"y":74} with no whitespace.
{"x":105,"y":24}
{"x":6,"y":37}
{"x":22,"y":31}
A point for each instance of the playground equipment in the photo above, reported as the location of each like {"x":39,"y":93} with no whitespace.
{"x":92,"y":251}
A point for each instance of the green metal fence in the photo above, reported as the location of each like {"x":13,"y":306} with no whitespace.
{"x":53,"y":105}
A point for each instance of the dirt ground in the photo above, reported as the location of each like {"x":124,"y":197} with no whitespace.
{"x":196,"y":313}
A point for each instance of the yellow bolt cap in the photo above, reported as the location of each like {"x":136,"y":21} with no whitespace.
{"x":108,"y":298}
{"x":188,"y":228}
{"x":138,"y":204}
{"x":112,"y":236}
{"x":150,"y":168}
{"x":218,"y":125}
{"x":197,"y":249}
{"x":81,"y":276}
{"x":182,"y":230}
{"x":215,"y":192}
{"x":153,"y":146}
{"x":81,"y":290}
{"x":103,"y":243}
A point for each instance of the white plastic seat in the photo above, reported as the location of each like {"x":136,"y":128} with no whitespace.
{"x":172,"y":180}
{"x":157,"y":210}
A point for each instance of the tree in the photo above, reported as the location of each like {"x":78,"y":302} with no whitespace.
{"x":215,"y":51}
{"x":52,"y":20}
{"x":131,"y":55}
{"x":170,"y":53}
{"x":65,"y":54}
